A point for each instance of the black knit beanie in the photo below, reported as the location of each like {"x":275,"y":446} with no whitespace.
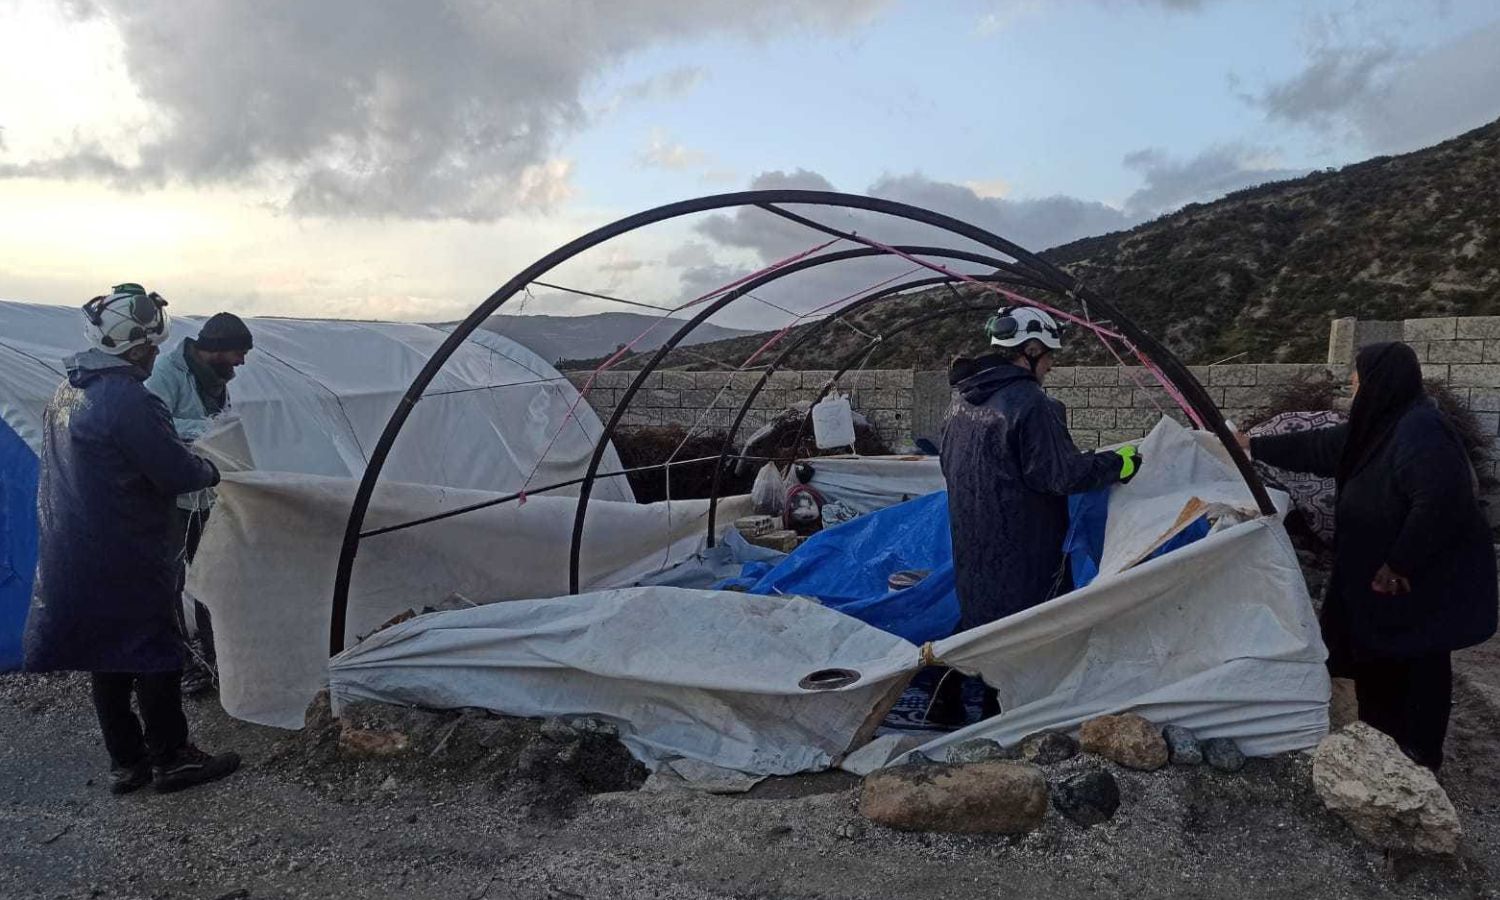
{"x":224,"y":331}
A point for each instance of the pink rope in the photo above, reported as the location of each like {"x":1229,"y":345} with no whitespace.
{"x":588,"y":385}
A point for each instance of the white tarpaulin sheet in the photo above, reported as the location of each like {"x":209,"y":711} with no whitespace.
{"x":868,"y":483}
{"x":703,"y":675}
{"x":315,"y":396}
{"x":266,"y":565}
{"x":1218,"y":636}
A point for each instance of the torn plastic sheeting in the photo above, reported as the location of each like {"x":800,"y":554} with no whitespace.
{"x":1219,"y":637}
{"x":707,"y":676}
{"x":266,"y":564}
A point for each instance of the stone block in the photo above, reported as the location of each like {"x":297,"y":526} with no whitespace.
{"x":641,"y":418}
{"x":1443,"y":329}
{"x":1084,"y":439}
{"x":743,"y":381}
{"x":1489,"y":422}
{"x":1072,"y":398}
{"x":1062,"y":376}
{"x":814,"y":379}
{"x":1232,"y":375}
{"x":1151,"y":398}
{"x":1137,"y":418}
{"x":1478,"y":328}
{"x":578,"y":379}
{"x":1245,"y":397}
{"x":657,"y":398}
{"x":1454,"y":352}
{"x":678,"y":381}
{"x":1341,"y":338}
{"x":1486,"y":375}
{"x":1484,"y":400}
{"x":893,"y":378}
{"x":1439,"y":371}
{"x":710,"y":381}
{"x":614,"y":378}
{"x":1115,"y":436}
{"x":1092,"y":419}
{"x":1097,"y":376}
{"x":1492,"y":351}
{"x":691,"y":419}
{"x":785,"y":381}
{"x":1204,"y":374}
{"x":1291,"y":373}
{"x":1110,"y":398}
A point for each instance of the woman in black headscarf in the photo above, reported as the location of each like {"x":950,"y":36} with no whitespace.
{"x":1414,"y":564}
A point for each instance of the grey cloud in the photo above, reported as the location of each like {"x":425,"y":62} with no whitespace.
{"x":420,"y":110}
{"x":1171,"y":183}
{"x":1389,"y":101}
{"x":666,"y":86}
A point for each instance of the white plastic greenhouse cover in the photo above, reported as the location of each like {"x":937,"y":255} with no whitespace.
{"x":1218,"y":636}
{"x":315,"y":396}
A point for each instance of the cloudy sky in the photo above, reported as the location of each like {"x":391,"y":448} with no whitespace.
{"x":365,"y":158}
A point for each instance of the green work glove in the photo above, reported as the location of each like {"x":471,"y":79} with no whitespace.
{"x":1130,"y":462}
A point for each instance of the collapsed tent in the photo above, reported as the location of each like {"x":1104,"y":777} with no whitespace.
{"x":313,"y":399}
{"x":1218,"y":636}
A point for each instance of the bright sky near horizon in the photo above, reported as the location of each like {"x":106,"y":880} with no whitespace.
{"x":401,"y":160}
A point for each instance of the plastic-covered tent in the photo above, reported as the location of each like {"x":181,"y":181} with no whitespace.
{"x":1218,"y":636}
{"x":313,"y":400}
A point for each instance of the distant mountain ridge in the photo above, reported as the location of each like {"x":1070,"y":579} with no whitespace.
{"x":573,"y":337}
{"x":1259,"y":272}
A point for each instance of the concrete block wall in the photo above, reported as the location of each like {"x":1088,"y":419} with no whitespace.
{"x":709,"y":401}
{"x":1112,"y":404}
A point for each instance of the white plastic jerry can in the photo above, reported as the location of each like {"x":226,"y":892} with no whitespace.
{"x":833,"y":423}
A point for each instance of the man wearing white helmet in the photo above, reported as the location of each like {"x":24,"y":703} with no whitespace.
{"x":111,"y":470}
{"x":1010,"y":465}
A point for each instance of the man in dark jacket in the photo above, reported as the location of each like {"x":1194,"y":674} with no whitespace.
{"x":1010,"y":465}
{"x":111,"y":470}
{"x":193,"y":382}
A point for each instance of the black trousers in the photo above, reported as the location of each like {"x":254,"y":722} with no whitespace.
{"x":1408,"y":699}
{"x":162,"y":728}
{"x":190,"y":526}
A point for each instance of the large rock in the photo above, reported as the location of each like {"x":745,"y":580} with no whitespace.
{"x":1128,"y":740}
{"x":1223,"y":754}
{"x":1088,"y":798}
{"x":996,"y":796}
{"x":978,"y":750}
{"x":1386,"y":798}
{"x":1048,"y":747}
{"x":1182,"y":746}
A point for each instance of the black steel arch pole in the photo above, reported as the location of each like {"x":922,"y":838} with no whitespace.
{"x":807,"y":335}
{"x":622,"y":406}
{"x":350,"y":547}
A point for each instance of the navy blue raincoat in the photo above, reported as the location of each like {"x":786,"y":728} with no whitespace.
{"x":111,"y":469}
{"x":1010,"y":466}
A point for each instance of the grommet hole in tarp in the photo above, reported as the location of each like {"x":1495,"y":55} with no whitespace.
{"x":828,"y":679}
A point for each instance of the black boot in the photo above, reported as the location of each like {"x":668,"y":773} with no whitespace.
{"x":124,"y":779}
{"x":190,"y":766}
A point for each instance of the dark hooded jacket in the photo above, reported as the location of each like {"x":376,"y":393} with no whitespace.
{"x":1010,"y":466}
{"x":1407,"y":499}
{"x":111,"y":469}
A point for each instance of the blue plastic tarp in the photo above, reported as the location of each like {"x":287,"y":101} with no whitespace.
{"x":847,"y":567}
{"x":18,"y":474}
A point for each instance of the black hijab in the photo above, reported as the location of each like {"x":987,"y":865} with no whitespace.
{"x":1390,"y":383}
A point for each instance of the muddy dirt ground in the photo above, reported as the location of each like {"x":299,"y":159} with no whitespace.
{"x":288,"y":826}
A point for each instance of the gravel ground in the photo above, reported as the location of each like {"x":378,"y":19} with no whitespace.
{"x":290,"y":826}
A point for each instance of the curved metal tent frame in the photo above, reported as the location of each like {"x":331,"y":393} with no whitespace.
{"x":1028,"y":268}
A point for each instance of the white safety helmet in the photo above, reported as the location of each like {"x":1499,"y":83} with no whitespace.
{"x":1013,"y":326}
{"x":126,"y":317}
